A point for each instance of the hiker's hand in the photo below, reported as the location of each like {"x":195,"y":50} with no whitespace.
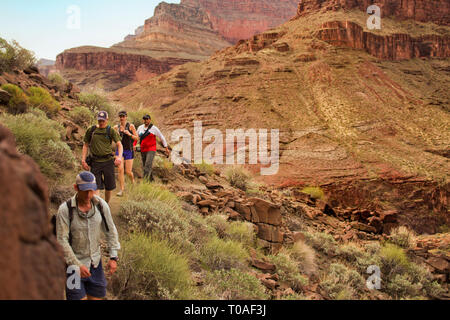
{"x":112,"y":267}
{"x":84,"y":272}
{"x":85,"y":165}
{"x":128,"y":133}
{"x":167,"y":152}
{"x":117,"y":162}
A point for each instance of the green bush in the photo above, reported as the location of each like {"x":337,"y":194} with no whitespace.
{"x":403,"y":237}
{"x":205,"y":168}
{"x":238,"y":177}
{"x":342,"y":283}
{"x":234,"y":284}
{"x":135,"y":117}
{"x":152,"y":269}
{"x":57,"y":79}
{"x":314,"y":192}
{"x":288,"y":270}
{"x":149,"y":191}
{"x":82,"y":116}
{"x":40,"y":138}
{"x":41,"y":99}
{"x":242,"y":232}
{"x":224,"y":254}
{"x":322,"y":241}
{"x":13,"y":56}
{"x":97,"y":101}
{"x":19,"y":101}
{"x":219,"y":223}
{"x":393,"y":260}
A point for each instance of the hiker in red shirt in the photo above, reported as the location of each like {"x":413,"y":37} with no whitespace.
{"x":147,"y":134}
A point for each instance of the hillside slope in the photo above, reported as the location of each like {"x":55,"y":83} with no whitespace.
{"x":370,"y":126}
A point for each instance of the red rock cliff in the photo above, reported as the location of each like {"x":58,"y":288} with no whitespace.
{"x":437,"y":11}
{"x":241,"y":19}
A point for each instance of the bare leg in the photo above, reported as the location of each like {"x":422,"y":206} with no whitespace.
{"x":121,"y":176}
{"x":108,"y":196}
{"x":129,"y":169}
{"x":93,"y":298}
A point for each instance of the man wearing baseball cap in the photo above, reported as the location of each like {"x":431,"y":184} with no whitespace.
{"x":79,"y":224}
{"x":101,"y":161}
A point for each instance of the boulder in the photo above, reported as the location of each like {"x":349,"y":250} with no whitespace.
{"x":267,"y":212}
{"x":32,"y":265}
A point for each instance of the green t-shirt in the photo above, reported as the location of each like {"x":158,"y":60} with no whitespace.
{"x":100,"y":146}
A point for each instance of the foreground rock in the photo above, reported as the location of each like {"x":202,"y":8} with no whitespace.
{"x":32,"y":265}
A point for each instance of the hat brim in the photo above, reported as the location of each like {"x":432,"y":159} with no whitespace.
{"x":88,"y":187}
{"x":102,"y":118}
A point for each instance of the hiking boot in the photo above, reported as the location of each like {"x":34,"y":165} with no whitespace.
{"x":120,"y":194}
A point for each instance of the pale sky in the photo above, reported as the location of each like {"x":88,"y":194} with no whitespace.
{"x":48,"y":27}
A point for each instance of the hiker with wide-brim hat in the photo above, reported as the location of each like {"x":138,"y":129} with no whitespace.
{"x":101,"y":160}
{"x":80,"y":222}
{"x":128,"y":134}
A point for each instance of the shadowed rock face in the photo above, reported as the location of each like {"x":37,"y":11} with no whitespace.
{"x":32,"y":264}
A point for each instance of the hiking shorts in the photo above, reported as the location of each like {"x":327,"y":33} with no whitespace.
{"x":104,"y":173}
{"x":94,"y":286}
{"x":127,"y":154}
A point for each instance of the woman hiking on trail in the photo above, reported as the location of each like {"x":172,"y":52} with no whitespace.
{"x":128,"y":135}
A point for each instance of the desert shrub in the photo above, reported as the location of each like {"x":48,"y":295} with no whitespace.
{"x":41,"y":99}
{"x":322,"y":241}
{"x":40,"y":138}
{"x":393,"y":260}
{"x":149,"y":191}
{"x":294,"y":297}
{"x":305,"y":257}
{"x":372,"y":248}
{"x":152,"y":269}
{"x":57,"y":79}
{"x":82,"y":116}
{"x":156,"y":217}
{"x":238,"y":177}
{"x":205,"y":168}
{"x":97,"y":101}
{"x":288,"y":270}
{"x":234,"y":284}
{"x":219,"y":223}
{"x":314,"y":192}
{"x":135,"y":117}
{"x":242,"y":232}
{"x":162,"y":163}
{"x":342,"y":283}
{"x":13,"y":56}
{"x":401,"y":286}
{"x":224,"y":254}
{"x":19,"y":101}
{"x":403,"y":237}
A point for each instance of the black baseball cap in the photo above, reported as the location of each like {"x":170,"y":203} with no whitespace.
{"x":123,"y":113}
{"x":146,"y":117}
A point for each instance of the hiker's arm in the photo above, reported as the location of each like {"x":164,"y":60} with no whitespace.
{"x":134,"y":135}
{"x":161,"y":137}
{"x":112,"y":237}
{"x":84,"y":155}
{"x":62,"y":232}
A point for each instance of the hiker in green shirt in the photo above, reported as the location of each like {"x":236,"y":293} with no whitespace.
{"x":101,"y":161}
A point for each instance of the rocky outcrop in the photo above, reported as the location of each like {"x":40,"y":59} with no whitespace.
{"x":436,"y":11}
{"x":236,"y":20}
{"x":133,"y":67}
{"x":388,"y":47}
{"x":32,"y":264}
{"x":177,"y":33}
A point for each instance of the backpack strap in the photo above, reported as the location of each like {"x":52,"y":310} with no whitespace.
{"x":147,"y":132}
{"x":92,"y":130}
{"x":70,"y":210}
{"x":100,"y":208}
